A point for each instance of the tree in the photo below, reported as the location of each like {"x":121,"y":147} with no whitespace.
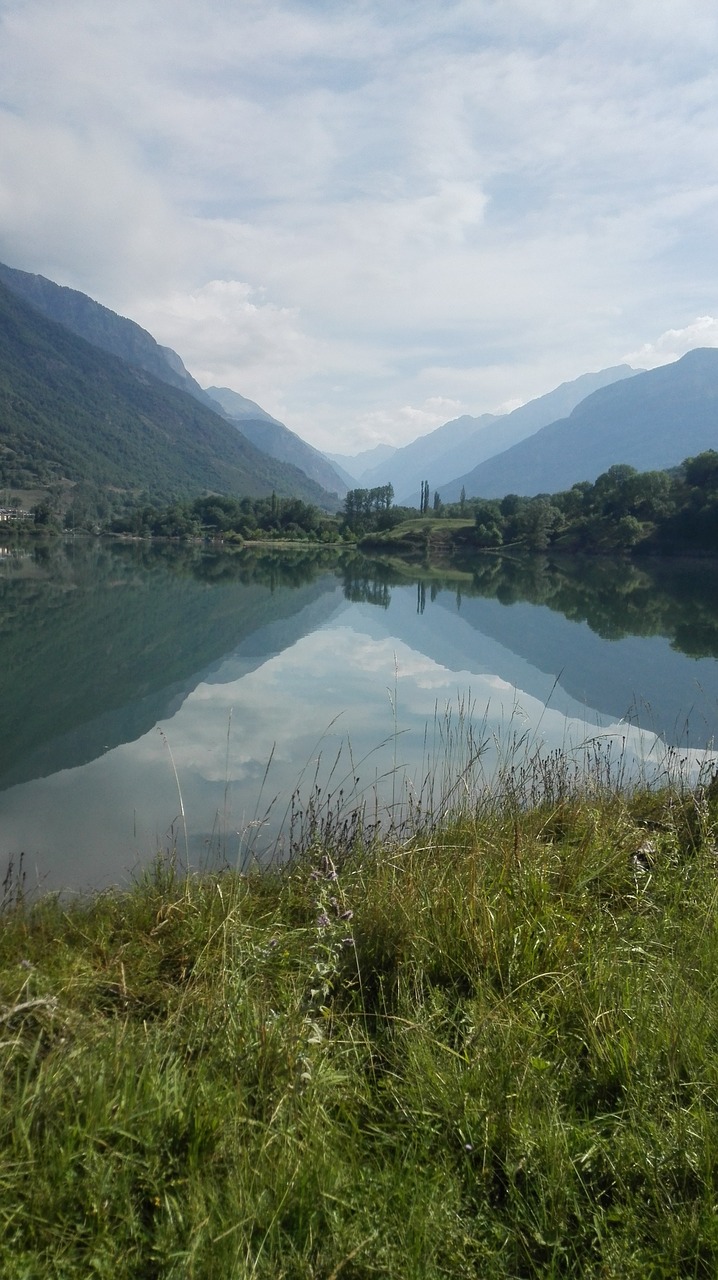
{"x":489,"y":524}
{"x":627,"y":533}
{"x":702,"y":471}
{"x":536,"y":522}
{"x":42,"y":513}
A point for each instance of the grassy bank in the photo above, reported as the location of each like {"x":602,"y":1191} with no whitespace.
{"x":490,"y":1050}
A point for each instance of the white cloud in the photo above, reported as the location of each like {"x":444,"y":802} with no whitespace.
{"x":227,"y":330}
{"x":403,"y":424}
{"x":674,"y":343}
{"x":78,"y":210}
{"x":340,"y":209}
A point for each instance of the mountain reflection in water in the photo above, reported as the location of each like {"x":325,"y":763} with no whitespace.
{"x":301,"y":657}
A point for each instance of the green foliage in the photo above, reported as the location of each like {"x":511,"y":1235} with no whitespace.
{"x":229,"y":519}
{"x":616,"y":597}
{"x":623,"y":510}
{"x":71,"y":414}
{"x":488,"y":1051}
{"x":368,"y":509}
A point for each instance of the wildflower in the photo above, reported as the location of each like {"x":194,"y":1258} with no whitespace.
{"x":323,"y":921}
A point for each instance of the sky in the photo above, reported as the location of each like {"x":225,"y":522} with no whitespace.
{"x":372,"y":218}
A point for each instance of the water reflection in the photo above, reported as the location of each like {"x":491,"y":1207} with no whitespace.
{"x":332,"y":667}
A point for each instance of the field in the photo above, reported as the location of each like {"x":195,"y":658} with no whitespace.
{"x":487,"y":1048}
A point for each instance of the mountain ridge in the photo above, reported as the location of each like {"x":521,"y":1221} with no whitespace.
{"x":71,"y":413}
{"x":443,"y":453}
{"x":276,"y":439}
{"x":103,"y":328}
{"x":650,"y":421}
{"x":119,"y":336}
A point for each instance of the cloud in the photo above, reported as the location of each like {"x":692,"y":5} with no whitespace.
{"x":342,"y":210}
{"x":404,"y":423}
{"x":78,"y":210}
{"x":674,"y":343}
{"x":226,"y":329}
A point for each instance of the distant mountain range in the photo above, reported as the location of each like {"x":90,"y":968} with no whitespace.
{"x":132,"y":344}
{"x":648,"y":419}
{"x":651,"y":421}
{"x":352,"y":467}
{"x":89,"y":398}
{"x":456,"y":447}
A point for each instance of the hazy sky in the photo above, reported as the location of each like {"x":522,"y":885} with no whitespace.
{"x":372,"y":217}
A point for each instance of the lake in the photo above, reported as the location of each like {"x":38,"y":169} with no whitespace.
{"x":216,"y":701}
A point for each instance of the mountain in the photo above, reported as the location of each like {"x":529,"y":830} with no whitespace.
{"x":122,"y":337}
{"x":103,"y":328}
{"x":70,"y":412}
{"x":458,"y":446}
{"x":236,"y":406}
{"x":274,"y":438}
{"x":352,"y":466}
{"x":523,"y":422}
{"x":651,"y":421}
{"x":349,"y":481}
{"x":408,"y":466}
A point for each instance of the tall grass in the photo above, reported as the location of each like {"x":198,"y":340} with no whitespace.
{"x":484,"y":1047}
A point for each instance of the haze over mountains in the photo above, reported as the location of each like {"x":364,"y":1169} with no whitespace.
{"x":651,"y":421}
{"x":277,"y":440}
{"x":90,"y":398}
{"x":353,"y":466}
{"x":453,"y":449}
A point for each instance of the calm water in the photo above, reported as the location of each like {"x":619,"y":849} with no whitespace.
{"x":150,"y":696}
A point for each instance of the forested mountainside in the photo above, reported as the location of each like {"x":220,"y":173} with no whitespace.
{"x":72,"y":414}
{"x":102,"y":328}
{"x":121,"y":337}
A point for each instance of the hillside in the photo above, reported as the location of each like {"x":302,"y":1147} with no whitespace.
{"x":122,"y":337}
{"x":71,"y":412}
{"x":274,"y":438}
{"x":457,"y":446}
{"x":237,"y":407}
{"x":102,"y":328}
{"x":650,"y":421}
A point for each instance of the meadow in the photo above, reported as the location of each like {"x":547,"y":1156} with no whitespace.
{"x":487,"y":1046}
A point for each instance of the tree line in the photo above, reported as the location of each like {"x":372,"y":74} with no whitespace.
{"x":228,"y":519}
{"x":624,"y":509}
